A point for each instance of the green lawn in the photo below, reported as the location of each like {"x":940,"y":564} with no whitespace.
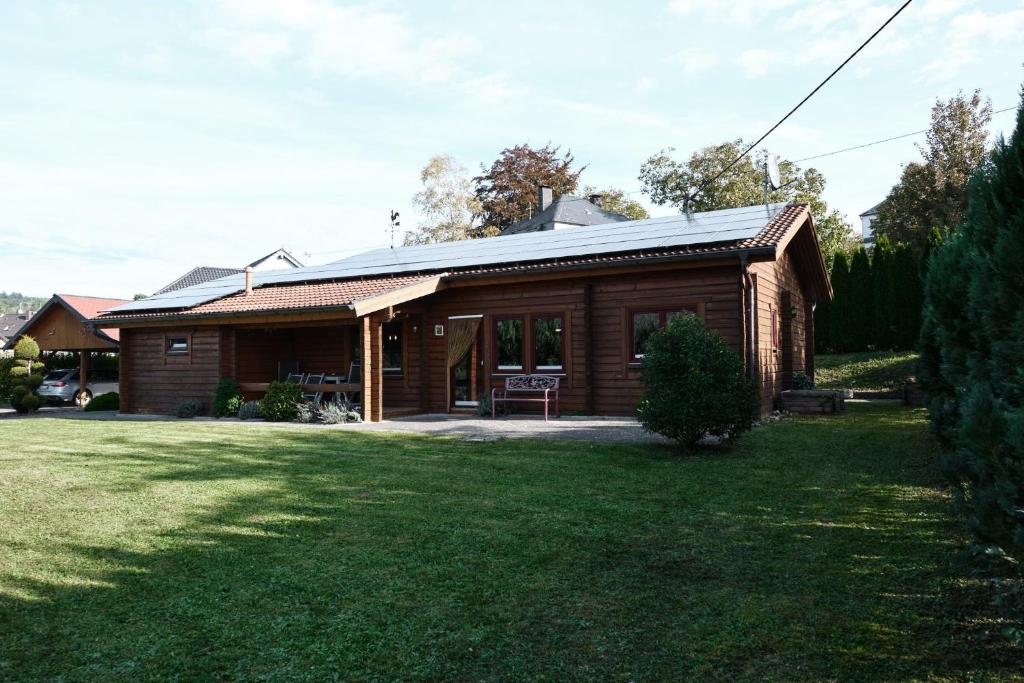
{"x":816,"y":549}
{"x":869,"y":370}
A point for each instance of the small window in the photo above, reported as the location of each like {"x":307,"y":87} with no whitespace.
{"x":177,"y":346}
{"x":509,"y":337}
{"x":644,"y":325}
{"x":392,"y":344}
{"x":548,"y":343}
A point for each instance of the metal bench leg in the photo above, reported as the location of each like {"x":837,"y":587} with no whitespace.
{"x":546,"y":405}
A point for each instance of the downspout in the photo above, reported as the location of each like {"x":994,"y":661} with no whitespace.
{"x":747,"y":298}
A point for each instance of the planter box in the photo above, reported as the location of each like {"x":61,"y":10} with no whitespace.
{"x":812,"y":402}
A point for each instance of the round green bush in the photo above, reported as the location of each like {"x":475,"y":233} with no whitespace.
{"x":249,"y":410}
{"x":108,"y":401}
{"x":227,"y":399}
{"x":18,"y":395}
{"x":31,"y":403}
{"x":33,"y":381}
{"x":189,"y":408}
{"x":694,"y":385}
{"x":280,"y":404}
{"x":26,"y":349}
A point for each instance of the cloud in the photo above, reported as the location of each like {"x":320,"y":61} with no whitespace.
{"x":737,"y":11}
{"x":359,"y":41}
{"x":644,"y":84}
{"x":693,"y":61}
{"x":966,"y":35}
{"x":758,"y":62}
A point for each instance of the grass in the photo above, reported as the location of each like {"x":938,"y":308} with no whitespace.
{"x":868,"y":370}
{"x":817,"y":549}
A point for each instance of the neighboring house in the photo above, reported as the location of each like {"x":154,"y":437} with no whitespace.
{"x":565,"y":211}
{"x":439,"y":325}
{"x":10,"y":324}
{"x":276,"y":260}
{"x":866,"y":220}
{"x":63,"y":324}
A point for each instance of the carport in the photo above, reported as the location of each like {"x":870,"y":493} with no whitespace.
{"x":63,"y":325}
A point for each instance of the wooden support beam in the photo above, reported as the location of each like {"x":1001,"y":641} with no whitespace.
{"x":373,"y":370}
{"x":588,"y":349}
{"x":83,"y":368}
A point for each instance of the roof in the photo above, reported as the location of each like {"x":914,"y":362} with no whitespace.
{"x":85,"y":308}
{"x":566,"y":209}
{"x":749,"y":229}
{"x":315,"y":295}
{"x":198,"y":276}
{"x":10,"y":323}
{"x":873,"y":211}
{"x":280,"y":255}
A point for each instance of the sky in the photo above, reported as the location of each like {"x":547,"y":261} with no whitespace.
{"x":141,"y":139}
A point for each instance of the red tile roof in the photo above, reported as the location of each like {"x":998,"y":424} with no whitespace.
{"x":313,"y":295}
{"x":90,"y":306}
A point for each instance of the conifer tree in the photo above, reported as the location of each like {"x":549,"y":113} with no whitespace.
{"x":907,"y":298}
{"x":823,"y":327}
{"x":838,"y":328}
{"x":883,"y":309}
{"x":859,"y":318}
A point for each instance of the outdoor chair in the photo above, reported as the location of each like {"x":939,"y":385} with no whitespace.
{"x":313,"y":397}
{"x":296,"y":378}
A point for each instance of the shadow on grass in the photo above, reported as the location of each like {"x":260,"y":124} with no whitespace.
{"x":343,"y":555}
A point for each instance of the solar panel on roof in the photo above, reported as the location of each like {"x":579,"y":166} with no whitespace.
{"x":590,"y":240}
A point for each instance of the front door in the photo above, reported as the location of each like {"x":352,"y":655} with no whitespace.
{"x":462,"y":377}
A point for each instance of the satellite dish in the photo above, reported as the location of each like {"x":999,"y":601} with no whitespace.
{"x":771,"y":171}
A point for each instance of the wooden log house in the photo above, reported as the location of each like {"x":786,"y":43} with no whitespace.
{"x":433,"y":328}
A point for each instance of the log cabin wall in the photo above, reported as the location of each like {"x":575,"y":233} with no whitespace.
{"x":783,"y":350}
{"x":157,"y":382}
{"x":615,"y":377}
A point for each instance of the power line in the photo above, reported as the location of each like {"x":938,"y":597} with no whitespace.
{"x":878,"y":142}
{"x":801,"y":102}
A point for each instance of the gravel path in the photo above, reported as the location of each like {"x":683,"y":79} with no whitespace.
{"x":597,"y":429}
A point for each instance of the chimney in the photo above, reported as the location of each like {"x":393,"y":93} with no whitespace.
{"x":595,"y":199}
{"x":544,"y":197}
{"x":248,"y":280}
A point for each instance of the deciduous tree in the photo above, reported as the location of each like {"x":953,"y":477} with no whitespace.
{"x":506,"y":191}
{"x":932,"y":193}
{"x":669,"y":181}
{"x":446,"y":203}
{"x":617,"y":201}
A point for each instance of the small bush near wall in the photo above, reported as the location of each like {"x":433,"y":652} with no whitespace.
{"x":108,"y":401}
{"x":280,"y":404}
{"x":250,"y":410}
{"x":228,"y":399}
{"x":190,"y":407}
{"x":335,"y":413}
{"x":694,"y":385}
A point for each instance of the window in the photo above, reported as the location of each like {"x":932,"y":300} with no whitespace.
{"x":392,"y":343}
{"x":646,"y":323}
{"x":509,"y":338}
{"x":548,"y":343}
{"x":176,"y":346}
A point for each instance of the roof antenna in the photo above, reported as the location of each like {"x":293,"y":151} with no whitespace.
{"x":772,"y":178}
{"x":395,"y":223}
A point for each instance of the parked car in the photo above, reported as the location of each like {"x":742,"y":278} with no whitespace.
{"x":61,"y":386}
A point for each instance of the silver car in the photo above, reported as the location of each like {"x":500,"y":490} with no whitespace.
{"x":61,"y":386}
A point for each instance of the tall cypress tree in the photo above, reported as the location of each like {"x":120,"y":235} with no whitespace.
{"x":838,"y":324}
{"x":973,"y":348}
{"x":823,"y":327}
{"x":883,"y":309}
{"x":907,"y":297}
{"x":858,"y":313}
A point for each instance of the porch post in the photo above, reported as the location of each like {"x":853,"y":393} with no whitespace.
{"x":83,"y":366}
{"x":373,"y":371}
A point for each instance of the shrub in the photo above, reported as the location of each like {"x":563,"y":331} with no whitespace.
{"x":971,"y":350}
{"x":304,"y":412}
{"x":33,"y":381}
{"x":227,"y":399}
{"x":802,"y":382}
{"x":188,"y":408}
{"x":694,"y":384}
{"x":18,"y":395}
{"x":108,"y":401}
{"x":338,"y":413}
{"x":31,"y":403}
{"x":26,"y":357}
{"x":281,"y":401}
{"x":7,"y":380}
{"x":250,"y":410}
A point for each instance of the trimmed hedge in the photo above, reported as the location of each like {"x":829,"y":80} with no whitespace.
{"x":108,"y":401}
